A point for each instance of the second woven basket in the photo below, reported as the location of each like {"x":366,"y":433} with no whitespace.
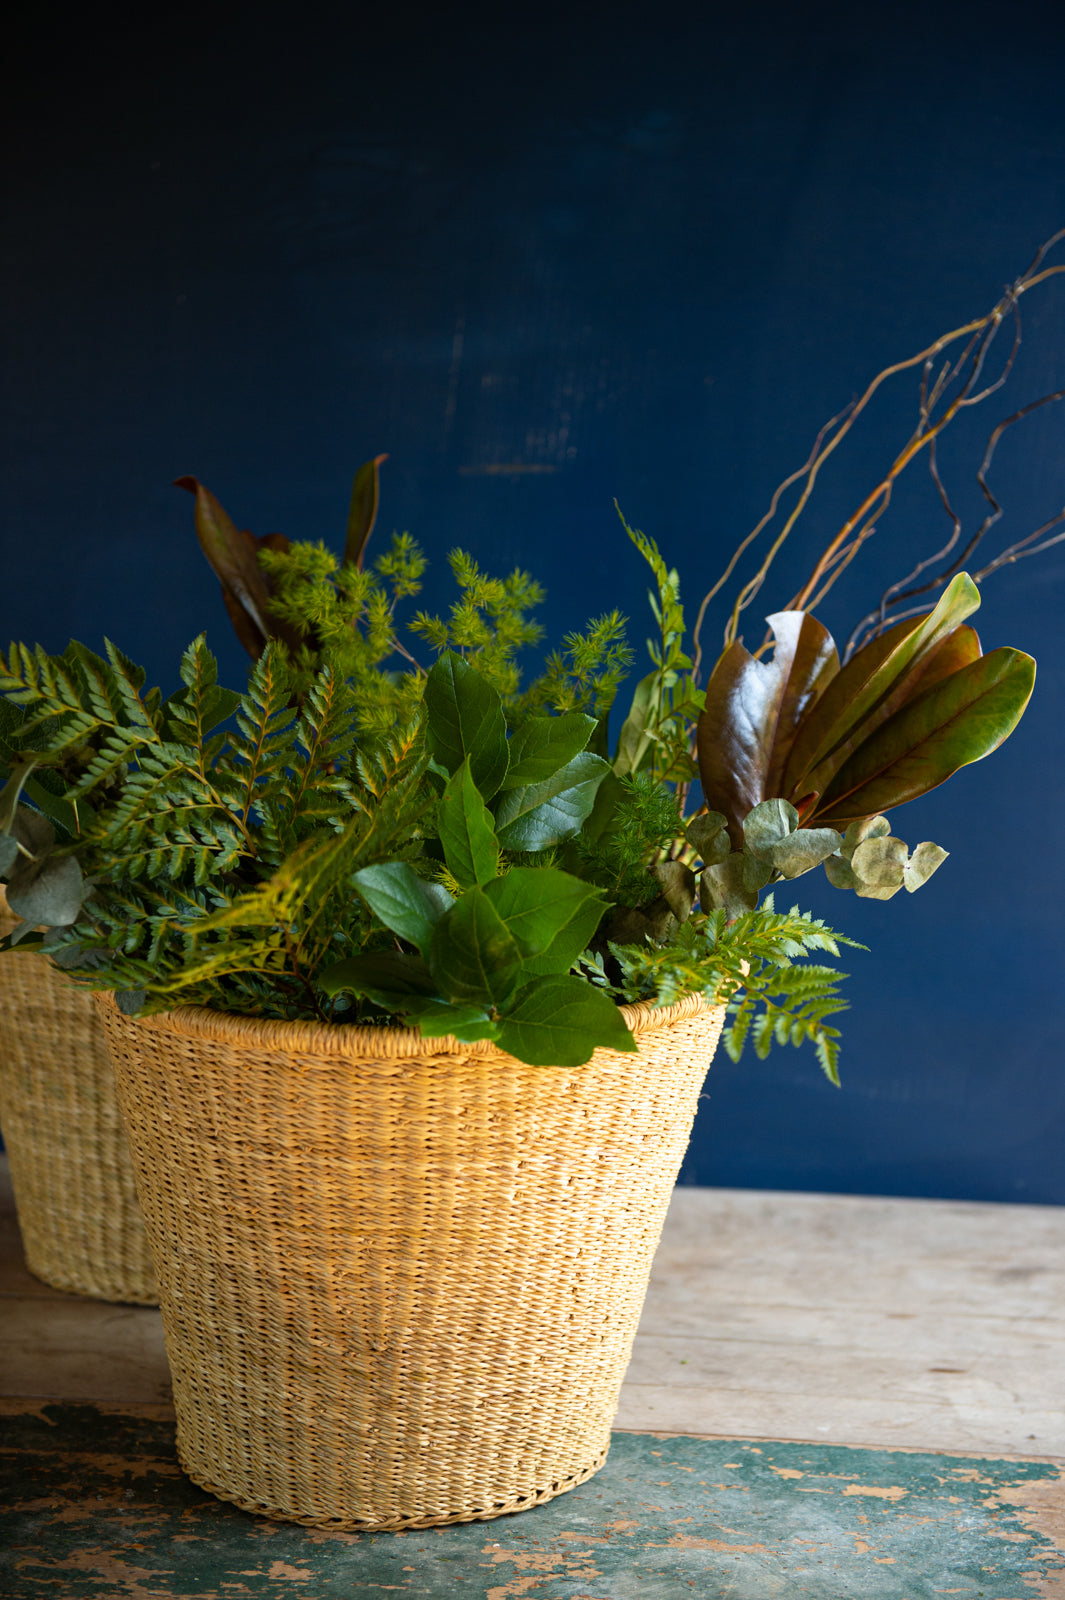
{"x":400,"y":1278}
{"x":70,"y":1165}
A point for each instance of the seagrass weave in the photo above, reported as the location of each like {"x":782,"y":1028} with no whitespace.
{"x":400,"y":1278}
{"x":70,"y":1165}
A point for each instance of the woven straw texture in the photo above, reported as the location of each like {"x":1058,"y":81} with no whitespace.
{"x":400,"y":1278}
{"x":70,"y":1165}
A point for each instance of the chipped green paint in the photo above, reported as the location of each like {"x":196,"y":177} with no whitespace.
{"x":96,"y":1506}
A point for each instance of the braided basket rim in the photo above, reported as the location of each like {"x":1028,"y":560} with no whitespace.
{"x":340,"y":1041}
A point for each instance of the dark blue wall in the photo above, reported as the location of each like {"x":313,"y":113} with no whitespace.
{"x":620,"y":252}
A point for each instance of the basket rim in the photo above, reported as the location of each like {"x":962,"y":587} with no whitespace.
{"x":341,"y":1041}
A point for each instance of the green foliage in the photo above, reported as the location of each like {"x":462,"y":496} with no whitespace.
{"x":488,"y":624}
{"x":750,"y":963}
{"x":657,"y":731}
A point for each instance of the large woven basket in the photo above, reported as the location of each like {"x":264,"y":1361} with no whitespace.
{"x":70,"y":1165}
{"x":399,"y":1278}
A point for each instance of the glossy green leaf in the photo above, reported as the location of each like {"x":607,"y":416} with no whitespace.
{"x":540,"y":815}
{"x":466,"y":830}
{"x":472,"y":953}
{"x":362,"y":511}
{"x":465,"y":719}
{"x":961,"y":720}
{"x":436,"y":1019}
{"x":560,"y":1021}
{"x":551,"y":915}
{"x":872,"y":687}
{"x":544,"y":744}
{"x":403,"y":901}
{"x":752,"y":711}
{"x":389,"y":977}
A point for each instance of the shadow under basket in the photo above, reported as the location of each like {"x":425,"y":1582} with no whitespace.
{"x":400,"y":1278}
{"x":75,"y":1194}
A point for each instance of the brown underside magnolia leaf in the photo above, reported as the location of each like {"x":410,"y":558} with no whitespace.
{"x":362,"y":511}
{"x":752,"y":711}
{"x":233,"y":555}
{"x":872,"y":687}
{"x":959,"y":720}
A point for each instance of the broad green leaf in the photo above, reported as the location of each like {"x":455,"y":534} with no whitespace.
{"x":403,"y":901}
{"x":925,"y":859}
{"x":362,"y":511}
{"x":466,"y":720}
{"x":551,"y":915}
{"x":472,"y":953}
{"x":962,"y":719}
{"x":466,"y":830}
{"x":381,"y":973}
{"x":752,"y":711}
{"x":540,"y":815}
{"x":560,"y":1021}
{"x":855,"y":701}
{"x":436,"y":1019}
{"x":544,"y":744}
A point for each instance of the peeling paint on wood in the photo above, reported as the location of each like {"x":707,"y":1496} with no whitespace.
{"x":96,"y":1506}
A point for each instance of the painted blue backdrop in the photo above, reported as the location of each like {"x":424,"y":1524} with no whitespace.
{"x":546,"y":257}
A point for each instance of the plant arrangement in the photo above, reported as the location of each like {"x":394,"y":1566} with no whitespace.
{"x":362,"y":836}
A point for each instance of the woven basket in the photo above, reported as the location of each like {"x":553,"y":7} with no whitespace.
{"x":70,"y":1166}
{"x":400,"y":1278}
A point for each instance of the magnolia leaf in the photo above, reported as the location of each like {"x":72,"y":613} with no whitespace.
{"x":541,"y":815}
{"x":560,"y":1021}
{"x":362,"y":511}
{"x":803,"y":850}
{"x":752,"y":711}
{"x":708,"y":833}
{"x":544,"y":744}
{"x":678,"y":886}
{"x":551,"y":915}
{"x":925,"y":859}
{"x":232,"y":555}
{"x":769,"y":823}
{"x":402,"y":900}
{"x":472,"y":953}
{"x":723,"y":887}
{"x":873,"y":685}
{"x":465,"y":719}
{"x":879,"y":865}
{"x":464,"y":825}
{"x":962,"y":719}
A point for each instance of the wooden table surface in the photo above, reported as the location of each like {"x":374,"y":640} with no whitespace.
{"x":889,"y":1325}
